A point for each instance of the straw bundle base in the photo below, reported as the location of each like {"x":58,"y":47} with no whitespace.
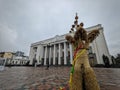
{"x":83,"y":77}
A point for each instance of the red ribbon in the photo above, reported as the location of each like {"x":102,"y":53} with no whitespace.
{"x":75,"y":52}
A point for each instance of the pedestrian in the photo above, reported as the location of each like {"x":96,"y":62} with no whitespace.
{"x":47,"y":66}
{"x":34,"y":62}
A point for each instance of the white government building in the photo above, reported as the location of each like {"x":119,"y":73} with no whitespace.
{"x":59,"y":52}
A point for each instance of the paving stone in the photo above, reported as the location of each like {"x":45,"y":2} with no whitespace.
{"x":30,"y":78}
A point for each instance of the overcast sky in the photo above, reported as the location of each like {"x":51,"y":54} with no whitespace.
{"x":23,"y":22}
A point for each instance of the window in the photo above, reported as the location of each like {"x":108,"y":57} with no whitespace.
{"x":35,"y":49}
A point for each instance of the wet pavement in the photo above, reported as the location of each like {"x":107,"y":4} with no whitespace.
{"x":30,"y":78}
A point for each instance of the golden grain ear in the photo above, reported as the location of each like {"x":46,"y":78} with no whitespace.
{"x":81,"y":24}
{"x":84,"y":35}
{"x":70,"y":39}
{"x":92,"y":35}
{"x":81,"y":33}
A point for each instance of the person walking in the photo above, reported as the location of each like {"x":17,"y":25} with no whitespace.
{"x":34,"y":62}
{"x":47,"y":66}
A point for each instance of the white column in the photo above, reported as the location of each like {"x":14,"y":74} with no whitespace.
{"x":59,"y":61}
{"x":71,"y":53}
{"x":65,"y":62}
{"x":41,"y":54}
{"x":54,"y":55}
{"x":31,"y":55}
{"x":45,"y":57}
{"x":50,"y":55}
{"x":38,"y":53}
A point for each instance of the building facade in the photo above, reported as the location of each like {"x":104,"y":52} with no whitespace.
{"x":14,"y":58}
{"x":8,"y":55}
{"x":57,"y":51}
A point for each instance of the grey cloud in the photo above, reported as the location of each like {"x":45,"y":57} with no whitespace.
{"x":8,"y":37}
{"x":35,"y":20}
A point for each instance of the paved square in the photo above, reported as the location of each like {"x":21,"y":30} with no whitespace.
{"x":30,"y":78}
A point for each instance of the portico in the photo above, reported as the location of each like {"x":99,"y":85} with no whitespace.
{"x":60,"y":52}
